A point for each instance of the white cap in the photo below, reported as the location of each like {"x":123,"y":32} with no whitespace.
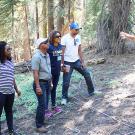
{"x":39,"y":41}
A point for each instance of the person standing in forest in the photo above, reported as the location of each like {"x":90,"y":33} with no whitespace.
{"x":7,"y":85}
{"x":73,"y":59}
{"x":42,"y":81}
{"x":55,"y":52}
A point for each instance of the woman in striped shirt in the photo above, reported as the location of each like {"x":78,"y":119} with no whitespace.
{"x":7,"y":85}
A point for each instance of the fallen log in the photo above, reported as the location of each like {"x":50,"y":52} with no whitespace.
{"x":96,"y":61}
{"x":22,"y":67}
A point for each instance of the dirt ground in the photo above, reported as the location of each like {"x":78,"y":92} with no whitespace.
{"x":112,"y":113}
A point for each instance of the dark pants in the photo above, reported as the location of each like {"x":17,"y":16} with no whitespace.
{"x":67,"y":76}
{"x":42,"y":103}
{"x":6,"y":102}
{"x":55,"y":80}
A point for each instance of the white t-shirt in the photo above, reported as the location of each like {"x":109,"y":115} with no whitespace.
{"x":72,"y":45}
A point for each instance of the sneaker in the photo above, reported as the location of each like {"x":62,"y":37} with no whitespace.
{"x":95,"y":93}
{"x":64,"y":101}
{"x":41,"y":130}
{"x":56,"y":110}
{"x":48,"y":114}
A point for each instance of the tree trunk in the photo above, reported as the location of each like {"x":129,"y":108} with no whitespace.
{"x":120,"y":12}
{"x":37,"y":22}
{"x":50,"y":15}
{"x":44,"y":12}
{"x":26,"y":43}
{"x":13,"y":32}
{"x":60,"y":20}
{"x":110,"y":27}
{"x":69,"y":10}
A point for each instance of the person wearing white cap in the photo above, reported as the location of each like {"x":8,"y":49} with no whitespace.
{"x":42,"y":79}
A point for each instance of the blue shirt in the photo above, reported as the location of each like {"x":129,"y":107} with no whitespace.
{"x":55,"y":58}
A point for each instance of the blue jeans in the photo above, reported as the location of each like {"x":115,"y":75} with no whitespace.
{"x":67,"y":76}
{"x":6,"y":102}
{"x":55,"y":80}
{"x":42,"y":102}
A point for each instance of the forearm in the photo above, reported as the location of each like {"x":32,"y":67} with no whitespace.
{"x":15,"y":86}
{"x":131,"y":37}
{"x":62,"y":58}
{"x":80,"y":55}
{"x":36,"y":78}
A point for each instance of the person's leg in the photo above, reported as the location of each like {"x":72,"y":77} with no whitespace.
{"x":48,"y":113}
{"x":66,"y":81}
{"x":47,"y":96}
{"x":41,"y":105}
{"x":2,"y":102}
{"x":55,"y":80}
{"x":78,"y":66}
{"x":8,"y":111}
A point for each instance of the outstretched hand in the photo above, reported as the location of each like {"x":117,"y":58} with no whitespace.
{"x":123,"y":35}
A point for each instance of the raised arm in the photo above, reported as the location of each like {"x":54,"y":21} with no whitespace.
{"x":125,"y":35}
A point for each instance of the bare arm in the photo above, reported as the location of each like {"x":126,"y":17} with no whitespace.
{"x":63,"y":69}
{"x":36,"y":80}
{"x":80,"y":54}
{"x":16,"y":89}
{"x":127,"y":36}
{"x":63,"y":51}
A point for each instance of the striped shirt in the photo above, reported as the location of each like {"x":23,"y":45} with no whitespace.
{"x":7,"y":78}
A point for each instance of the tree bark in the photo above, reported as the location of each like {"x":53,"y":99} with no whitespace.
{"x":69,"y":10}
{"x":110,"y":27}
{"x":37,"y":22}
{"x":60,"y":20}
{"x":44,"y":12}
{"x":120,"y":12}
{"x":13,"y":33}
{"x":50,"y":15}
{"x":26,"y":43}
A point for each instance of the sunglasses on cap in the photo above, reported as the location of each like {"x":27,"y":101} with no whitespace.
{"x":57,"y":35}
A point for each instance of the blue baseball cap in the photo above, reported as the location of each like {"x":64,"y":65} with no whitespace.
{"x":74,"y":25}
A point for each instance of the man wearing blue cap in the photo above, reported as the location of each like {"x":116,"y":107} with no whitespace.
{"x":72,"y":59}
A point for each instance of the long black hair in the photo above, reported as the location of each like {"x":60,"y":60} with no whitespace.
{"x":52,"y":36}
{"x":2,"y":51}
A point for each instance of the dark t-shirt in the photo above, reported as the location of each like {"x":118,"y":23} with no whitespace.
{"x":55,"y":54}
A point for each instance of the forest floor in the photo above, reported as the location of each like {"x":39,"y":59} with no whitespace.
{"x":112,"y":113}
